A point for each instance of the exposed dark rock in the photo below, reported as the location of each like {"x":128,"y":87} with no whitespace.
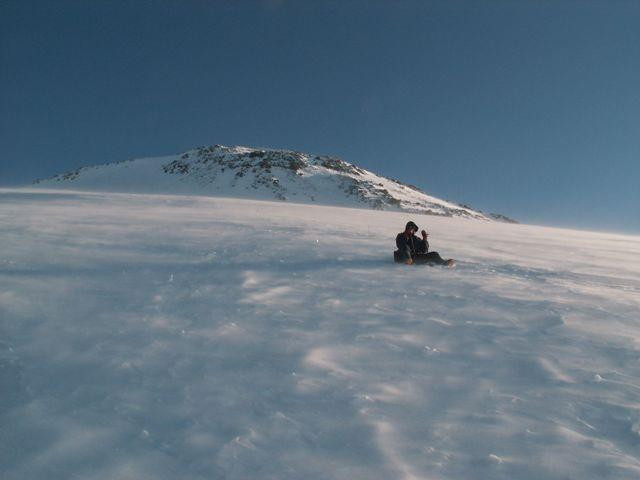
{"x":502,"y":218}
{"x":177,"y":166}
{"x":339,"y":165}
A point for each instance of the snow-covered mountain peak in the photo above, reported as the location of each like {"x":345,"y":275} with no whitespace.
{"x":261,"y":173}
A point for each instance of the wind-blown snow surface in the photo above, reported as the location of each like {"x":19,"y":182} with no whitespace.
{"x":163,"y":337}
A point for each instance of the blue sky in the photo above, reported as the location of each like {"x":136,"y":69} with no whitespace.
{"x":528,"y":108}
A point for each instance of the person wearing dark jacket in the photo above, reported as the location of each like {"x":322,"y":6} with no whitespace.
{"x":412,"y":249}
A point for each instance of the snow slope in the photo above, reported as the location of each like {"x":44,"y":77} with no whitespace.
{"x":260,"y":174}
{"x":166,"y":337}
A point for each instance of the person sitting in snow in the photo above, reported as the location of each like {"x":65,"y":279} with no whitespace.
{"x":412,"y":249}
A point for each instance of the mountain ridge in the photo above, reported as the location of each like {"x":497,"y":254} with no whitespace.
{"x":263,"y":173}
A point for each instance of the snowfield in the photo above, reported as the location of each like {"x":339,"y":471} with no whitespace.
{"x":184,"y":337}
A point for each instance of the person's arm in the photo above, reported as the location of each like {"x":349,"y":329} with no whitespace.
{"x":420,"y":245}
{"x":424,"y":243}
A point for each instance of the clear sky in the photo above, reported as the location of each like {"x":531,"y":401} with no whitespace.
{"x":527,"y":108}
